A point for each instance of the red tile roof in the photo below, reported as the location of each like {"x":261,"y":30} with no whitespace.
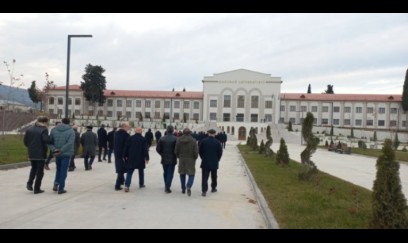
{"x":144,"y":93}
{"x":342,"y":97}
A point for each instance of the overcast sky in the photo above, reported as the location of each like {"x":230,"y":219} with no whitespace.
{"x":357,"y":53}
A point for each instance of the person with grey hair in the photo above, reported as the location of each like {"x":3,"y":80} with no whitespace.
{"x":187,"y":152}
{"x":165,"y":147}
{"x":36,"y":140}
{"x":51,"y":155}
{"x":89,"y":141}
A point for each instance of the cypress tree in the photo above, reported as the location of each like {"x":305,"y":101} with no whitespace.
{"x":375,"y":136}
{"x":389,"y":203}
{"x":290,"y":129}
{"x":309,"y":167}
{"x":331,"y":131}
{"x":309,"y":89}
{"x":405,"y":93}
{"x":352,"y":132}
{"x":282,"y":156}
{"x":262,"y":147}
{"x":396,"y":142}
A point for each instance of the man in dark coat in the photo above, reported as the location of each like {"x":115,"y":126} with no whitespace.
{"x":136,"y":156}
{"x":76,"y":147}
{"x":89,"y":141}
{"x":120,"y":139}
{"x":51,"y":155}
{"x":102,"y":142}
{"x":36,"y":139}
{"x":210,"y":153}
{"x":158,"y":135}
{"x":165,"y":147}
{"x":111,"y":136}
{"x":149,"y":137}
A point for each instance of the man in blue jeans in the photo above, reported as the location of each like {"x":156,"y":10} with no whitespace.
{"x":165,"y":147}
{"x":62,"y":146}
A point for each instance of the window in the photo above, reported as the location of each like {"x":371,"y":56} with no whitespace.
{"x":281,"y":120}
{"x":147,"y":115}
{"x":69,"y":101}
{"x":254,"y":101}
{"x":213,"y":103}
{"x":303,"y":108}
{"x":167,"y":104}
{"x":90,"y":113}
{"x":358,"y":122}
{"x":196,"y":105}
{"x":148,"y":104}
{"x":301,"y":120}
{"x":157,"y":115}
{"x":77,"y":112}
{"x":241,"y":101}
{"x":325,"y":109}
{"x":186,"y":116}
{"x":227,"y":101}
{"x":292,"y":120}
{"x":60,"y":101}
{"x":282,"y":108}
{"x":186,"y":105}
{"x":254,"y":117}
{"x":347,"y":109}
{"x":381,"y":123}
{"x":128,"y":103}
{"x":381,"y":110}
{"x":240,"y":117}
{"x":138,"y":114}
{"x":176,"y":116}
{"x":128,"y":114}
{"x":268,"y":118}
{"x":226,"y":117}
{"x":100,"y":112}
{"x":213,"y":116}
{"x":268,"y":104}
{"x":314,"y":108}
{"x":394,"y":110}
{"x":110,"y":103}
{"x":359,"y":109}
{"x":51,"y":101}
{"x":196,"y":116}
{"x":166,"y":115}
{"x":336,"y":109}
{"x":325,"y":121}
{"x":110,"y":114}
{"x":119,"y":103}
{"x":336,"y":121}
{"x":118,"y":114}
{"x":77,"y":101}
{"x":346,"y":122}
{"x":138,"y":103}
{"x":369,"y":122}
{"x":176,"y":104}
{"x":393,"y":123}
{"x":404,"y":123}
{"x":51,"y":111}
{"x":292,"y":108}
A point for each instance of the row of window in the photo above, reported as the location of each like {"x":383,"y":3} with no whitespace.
{"x":240,"y":102}
{"x":336,"y":109}
{"x":60,"y":101}
{"x":239,"y":117}
{"x":347,"y":122}
{"x":128,"y":114}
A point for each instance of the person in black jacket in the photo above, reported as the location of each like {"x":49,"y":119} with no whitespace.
{"x":210,"y":152}
{"x":111,"y":136}
{"x":165,"y":147}
{"x":102,"y":142}
{"x":149,"y":137}
{"x":120,"y":138}
{"x":36,"y":139}
{"x":76,"y":147}
{"x":158,"y":135}
{"x":136,"y":156}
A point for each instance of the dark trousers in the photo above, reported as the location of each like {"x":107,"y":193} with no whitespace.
{"x":49,"y":158}
{"x":204,"y":182}
{"x":72,"y":162}
{"x":130,"y":174}
{"x":86,"y":163}
{"x":110,"y":152}
{"x":37,"y":173}
{"x":105,"y":150}
{"x":120,"y":179}
{"x":168,"y":172}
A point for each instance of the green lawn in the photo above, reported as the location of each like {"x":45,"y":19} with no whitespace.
{"x":12,"y":149}
{"x":324,"y":202}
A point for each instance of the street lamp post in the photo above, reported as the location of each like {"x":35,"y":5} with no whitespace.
{"x":68,"y":58}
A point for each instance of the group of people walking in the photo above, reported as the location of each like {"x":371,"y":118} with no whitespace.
{"x":130,"y":153}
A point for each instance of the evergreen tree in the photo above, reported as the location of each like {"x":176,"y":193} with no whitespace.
{"x":164,"y":118}
{"x":309,"y":89}
{"x":262,"y":147}
{"x":331,"y":131}
{"x":405,"y":93}
{"x":268,"y":132}
{"x":326,"y":144}
{"x":396,"y":142}
{"x":140,"y":117}
{"x":352,"y":132}
{"x":375,"y":136}
{"x":329,"y":89}
{"x":290,"y":129}
{"x":34,"y":93}
{"x":282,"y":156}
{"x":248,"y":141}
{"x":389,"y":204}
{"x":94,"y":84}
{"x":309,"y":167}
{"x":185,"y":117}
{"x":269,"y":141}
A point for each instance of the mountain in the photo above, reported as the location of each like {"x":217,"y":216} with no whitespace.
{"x":16,"y":95}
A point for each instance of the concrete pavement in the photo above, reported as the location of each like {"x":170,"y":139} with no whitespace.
{"x":91,"y":201}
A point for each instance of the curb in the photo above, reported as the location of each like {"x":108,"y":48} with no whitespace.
{"x":266,"y":212}
{"x":14,"y":165}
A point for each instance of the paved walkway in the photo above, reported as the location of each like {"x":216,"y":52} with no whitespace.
{"x":91,"y":201}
